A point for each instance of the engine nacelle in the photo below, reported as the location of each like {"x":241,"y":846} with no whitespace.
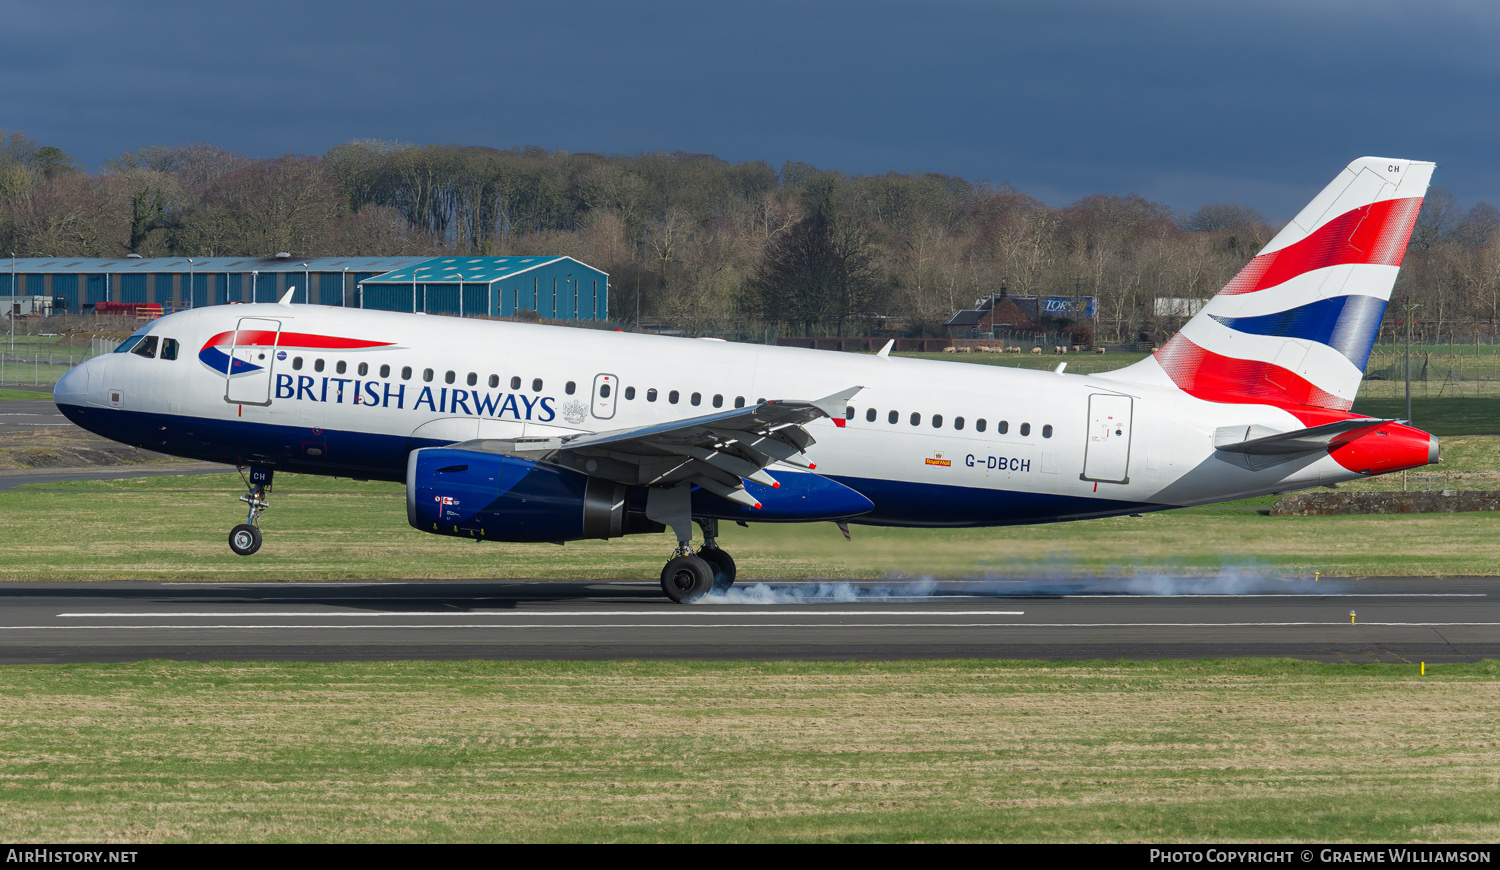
{"x":469,"y":494}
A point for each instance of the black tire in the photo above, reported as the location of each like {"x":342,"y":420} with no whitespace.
{"x":686,"y":579}
{"x":244,"y":539}
{"x":723,"y":565}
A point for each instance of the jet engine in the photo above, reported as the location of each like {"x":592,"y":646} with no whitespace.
{"x":490,"y":496}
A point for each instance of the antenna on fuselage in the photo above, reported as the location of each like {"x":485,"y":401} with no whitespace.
{"x":287,"y":299}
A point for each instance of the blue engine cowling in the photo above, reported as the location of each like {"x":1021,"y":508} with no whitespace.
{"x":469,"y":494}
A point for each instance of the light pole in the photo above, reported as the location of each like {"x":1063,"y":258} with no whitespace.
{"x":190,"y":282}
{"x":1406,"y":301}
{"x":254,"y":286}
{"x":344,"y":289}
{"x":306,"y":285}
{"x":460,"y":295}
{"x":11,"y":313}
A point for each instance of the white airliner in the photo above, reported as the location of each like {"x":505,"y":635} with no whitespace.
{"x":517,"y":432}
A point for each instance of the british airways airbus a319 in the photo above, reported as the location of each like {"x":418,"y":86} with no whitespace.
{"x":518,"y":432}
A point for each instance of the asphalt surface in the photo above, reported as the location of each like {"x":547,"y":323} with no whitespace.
{"x":1398,"y":620}
{"x":26,"y":415}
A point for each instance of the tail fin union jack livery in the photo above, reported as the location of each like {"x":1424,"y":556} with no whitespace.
{"x":521,"y":432}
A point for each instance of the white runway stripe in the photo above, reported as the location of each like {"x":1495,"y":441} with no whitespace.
{"x":538,"y":613}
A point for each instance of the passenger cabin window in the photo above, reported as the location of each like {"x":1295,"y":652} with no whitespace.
{"x":916,"y":418}
{"x":385,"y":371}
{"x":718,"y":401}
{"x":1047,"y":431}
{"x":364,"y":369}
{"x":739,"y":401}
{"x":318,"y":365}
{"x":536,"y":385}
{"x":958,"y":422}
{"x":427,"y":375}
{"x":651,"y":395}
{"x":604,"y":391}
{"x":472,"y":379}
{"x":672,"y":398}
{"x":146,"y":347}
{"x":629,"y":393}
{"x":894,"y":416}
{"x":341,"y":367}
{"x":449,"y":377}
{"x":937,"y":421}
{"x":1025,"y":428}
{"x":569,"y":387}
{"x":979,"y":425}
{"x":849,"y":412}
{"x":870,"y":415}
{"x":406,"y":373}
{"x":515,"y":383}
{"x":494,"y":381}
{"x":697,"y":399}
{"x":1002,"y":427}
{"x":296,"y":363}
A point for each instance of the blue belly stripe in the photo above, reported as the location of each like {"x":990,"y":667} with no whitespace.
{"x":383,"y":457}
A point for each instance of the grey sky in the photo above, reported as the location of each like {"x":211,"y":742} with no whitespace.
{"x":1185,"y":103}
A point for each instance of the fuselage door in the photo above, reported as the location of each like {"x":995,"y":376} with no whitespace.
{"x":606,"y":391}
{"x":251,"y":358}
{"x":1106,"y":457}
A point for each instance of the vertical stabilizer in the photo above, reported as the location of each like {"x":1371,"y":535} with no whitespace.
{"x":1295,"y":326}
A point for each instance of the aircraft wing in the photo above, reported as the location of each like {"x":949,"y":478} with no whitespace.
{"x":716,"y":452}
{"x":1255,"y":441}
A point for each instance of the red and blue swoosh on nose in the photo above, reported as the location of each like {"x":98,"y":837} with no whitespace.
{"x":216,"y":351}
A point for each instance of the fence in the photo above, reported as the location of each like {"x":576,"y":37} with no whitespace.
{"x":39,"y":360}
{"x":1446,"y":371}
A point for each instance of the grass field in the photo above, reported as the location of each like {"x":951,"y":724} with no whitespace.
{"x":174,"y":528}
{"x":1249,"y":750}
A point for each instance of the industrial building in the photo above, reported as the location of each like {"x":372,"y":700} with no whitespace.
{"x":556,"y":288}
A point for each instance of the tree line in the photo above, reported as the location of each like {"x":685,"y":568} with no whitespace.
{"x":696,"y":243}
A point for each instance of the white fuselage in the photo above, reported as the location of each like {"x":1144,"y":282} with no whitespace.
{"x":1033,"y":446}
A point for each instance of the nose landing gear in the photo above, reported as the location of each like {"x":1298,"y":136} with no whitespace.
{"x":245,"y":538}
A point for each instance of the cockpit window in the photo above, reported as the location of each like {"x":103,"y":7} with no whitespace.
{"x":146,"y":347}
{"x":169,"y":348}
{"x":133,"y":340}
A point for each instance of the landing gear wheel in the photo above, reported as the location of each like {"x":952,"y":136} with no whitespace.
{"x":723,"y":565}
{"x":244,"y":539}
{"x":686,"y":579}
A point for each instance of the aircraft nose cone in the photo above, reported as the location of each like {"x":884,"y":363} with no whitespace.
{"x":73,"y":387}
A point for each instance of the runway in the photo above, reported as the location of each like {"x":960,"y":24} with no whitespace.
{"x":24,"y":415}
{"x":1397,"y":620}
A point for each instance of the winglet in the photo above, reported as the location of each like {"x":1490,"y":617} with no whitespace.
{"x":833,"y":405}
{"x":885,"y":352}
{"x":286,"y":298}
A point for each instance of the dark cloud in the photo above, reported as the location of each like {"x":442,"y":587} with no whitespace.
{"x":1253,"y":102}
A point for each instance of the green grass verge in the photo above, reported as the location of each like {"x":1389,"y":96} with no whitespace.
{"x":174,"y":528}
{"x":1247,"y":750}
{"x":1440,"y":416}
{"x":24,"y":395}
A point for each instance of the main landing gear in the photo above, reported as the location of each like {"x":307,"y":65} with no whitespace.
{"x":244,"y":539}
{"x":690,"y":576}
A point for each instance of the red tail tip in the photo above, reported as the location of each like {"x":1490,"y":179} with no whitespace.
{"x":757,"y":505}
{"x":776,"y":485}
{"x":813,"y":466}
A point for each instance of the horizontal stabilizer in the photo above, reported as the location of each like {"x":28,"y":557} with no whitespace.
{"x":1261,"y":441}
